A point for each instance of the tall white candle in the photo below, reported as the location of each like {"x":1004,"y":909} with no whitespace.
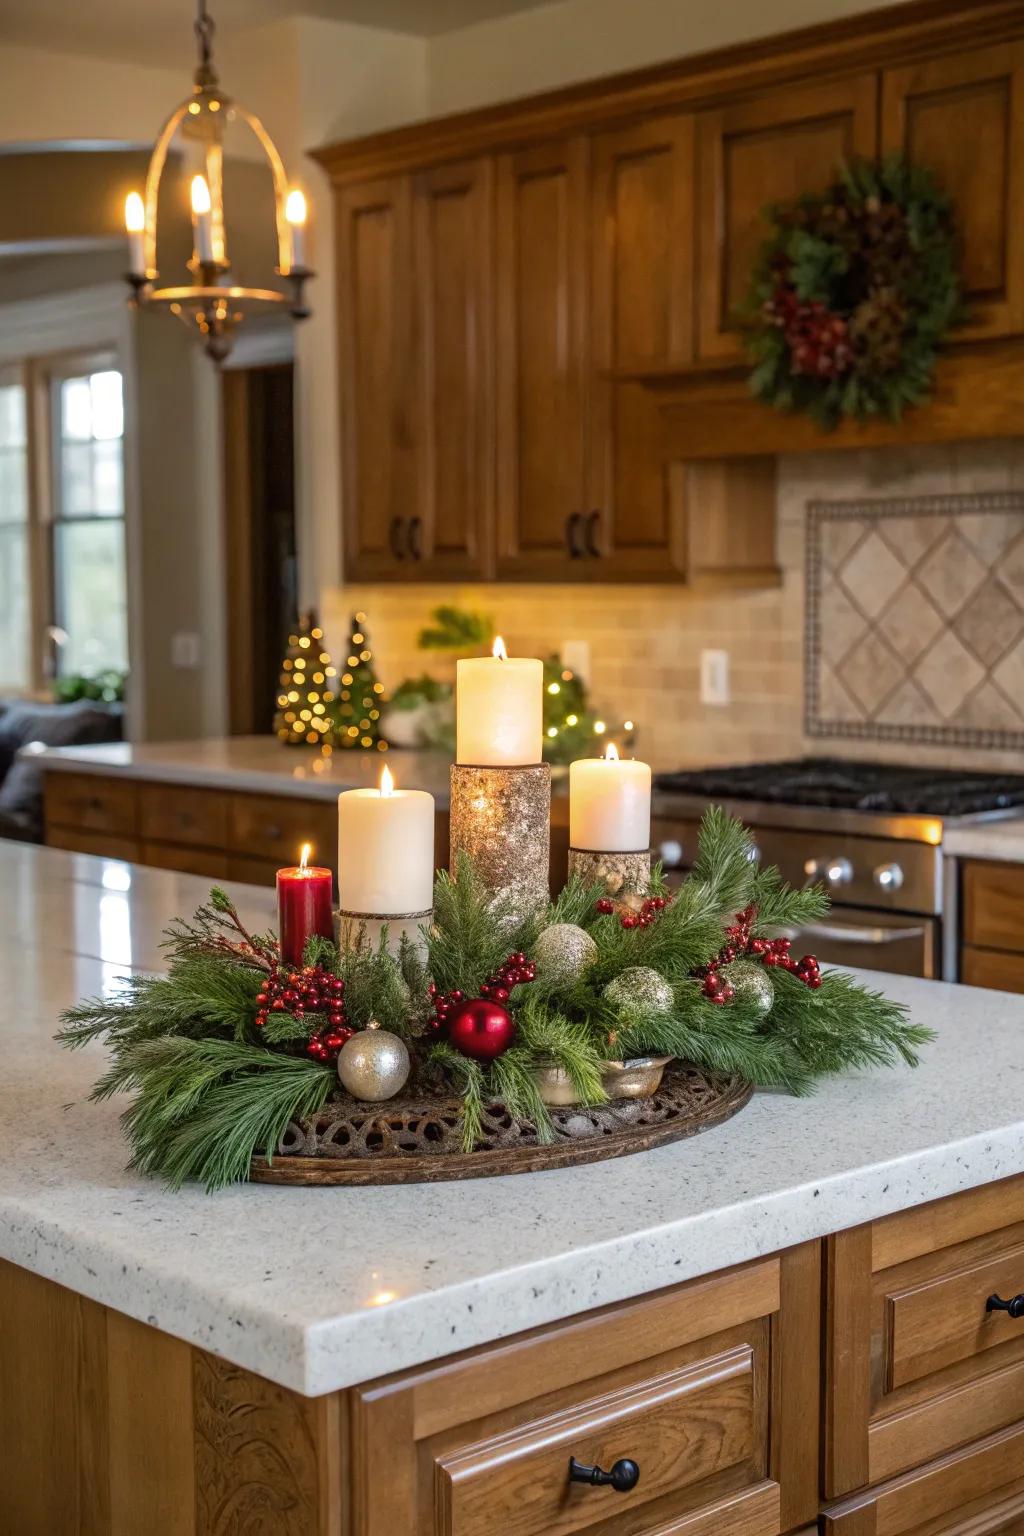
{"x":135,"y":225}
{"x":500,"y":710}
{"x":385,"y":850}
{"x":609,"y":804}
{"x":202,"y":218}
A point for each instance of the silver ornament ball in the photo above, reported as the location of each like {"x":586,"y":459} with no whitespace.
{"x":752,"y":984}
{"x":373,"y":1065}
{"x":640,"y":986}
{"x":563,"y":953}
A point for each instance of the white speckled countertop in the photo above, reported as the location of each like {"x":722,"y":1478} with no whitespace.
{"x":259,"y":764}
{"x":322,"y":1288}
{"x":1002,"y":840}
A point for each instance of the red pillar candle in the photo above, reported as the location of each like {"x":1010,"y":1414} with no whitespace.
{"x":304,"y":907}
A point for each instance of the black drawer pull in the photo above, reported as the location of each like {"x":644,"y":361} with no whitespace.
{"x":395,"y":537}
{"x":623,"y":1476}
{"x":593,"y":519}
{"x":572,"y":524}
{"x":1015,"y":1306}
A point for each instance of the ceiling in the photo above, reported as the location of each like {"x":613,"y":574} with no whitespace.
{"x":160,"y":31}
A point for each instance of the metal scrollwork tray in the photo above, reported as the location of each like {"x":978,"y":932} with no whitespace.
{"x":410,"y":1141}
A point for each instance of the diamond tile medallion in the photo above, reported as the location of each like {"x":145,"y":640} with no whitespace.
{"x":915,"y":620}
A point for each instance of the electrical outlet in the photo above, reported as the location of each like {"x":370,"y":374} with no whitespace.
{"x":575,"y":656}
{"x":714,"y":677}
{"x":185,"y":649}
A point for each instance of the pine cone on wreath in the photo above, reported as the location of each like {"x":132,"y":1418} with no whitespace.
{"x":878,"y":326}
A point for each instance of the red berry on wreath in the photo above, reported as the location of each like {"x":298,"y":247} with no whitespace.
{"x":481,"y":1029}
{"x":604,"y":905}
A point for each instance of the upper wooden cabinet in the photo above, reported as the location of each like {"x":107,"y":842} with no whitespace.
{"x":541,"y":340}
{"x":417,"y":399}
{"x":752,"y":154}
{"x":962,"y":116}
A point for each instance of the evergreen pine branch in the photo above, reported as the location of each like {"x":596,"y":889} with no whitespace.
{"x":842,"y":1026}
{"x":548,"y":1034}
{"x":511,"y":1080}
{"x":724,"y":860}
{"x":285,"y":1029}
{"x":468,"y":1074}
{"x":575,"y":902}
{"x":374,"y":986}
{"x":781,"y":906}
{"x":472,"y":933}
{"x":201,"y":995}
{"x":322,"y":951}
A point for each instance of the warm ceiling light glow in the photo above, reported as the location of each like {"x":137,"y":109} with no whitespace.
{"x":134,"y":214}
{"x":387,"y":783}
{"x":498,"y":649}
{"x":307,"y":849}
{"x":295,"y":207}
{"x":200,"y":195}
{"x":611,"y":753}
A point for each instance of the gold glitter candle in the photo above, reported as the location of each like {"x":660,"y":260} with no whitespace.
{"x":501,"y":818}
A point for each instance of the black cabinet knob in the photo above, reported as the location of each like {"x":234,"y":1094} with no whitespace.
{"x":593,"y":520}
{"x":624,"y":1475}
{"x":1015,"y":1306}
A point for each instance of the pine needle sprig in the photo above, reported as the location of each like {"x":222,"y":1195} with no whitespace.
{"x":468,"y":1074}
{"x":576,"y":903}
{"x":843,"y":1026}
{"x":199,"y":996}
{"x":725,"y":860}
{"x":472,"y":934}
{"x":216,"y":929}
{"x":511,"y":1079}
{"x":375,"y":988}
{"x":782,"y":906}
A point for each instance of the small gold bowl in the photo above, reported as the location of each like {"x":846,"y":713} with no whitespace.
{"x":636,"y":1079}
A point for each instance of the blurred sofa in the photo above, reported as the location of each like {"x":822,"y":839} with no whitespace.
{"x":26,"y":724}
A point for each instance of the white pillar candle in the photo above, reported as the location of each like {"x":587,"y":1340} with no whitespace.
{"x":135,"y":225}
{"x":202,"y":219}
{"x":609,"y":804}
{"x":385,"y":850}
{"x":500,"y":710}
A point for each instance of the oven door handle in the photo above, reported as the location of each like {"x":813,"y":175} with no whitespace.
{"x":841,"y":934}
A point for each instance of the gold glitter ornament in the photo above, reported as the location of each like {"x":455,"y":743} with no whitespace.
{"x":641,"y":987}
{"x":563,"y":952}
{"x":752,"y":984}
{"x":374,"y":1064}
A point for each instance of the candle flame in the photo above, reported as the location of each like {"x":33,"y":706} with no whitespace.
{"x":134,"y":214}
{"x":200,"y":195}
{"x":307,"y":849}
{"x":498,"y":650}
{"x":611,"y":753}
{"x":387,"y":783}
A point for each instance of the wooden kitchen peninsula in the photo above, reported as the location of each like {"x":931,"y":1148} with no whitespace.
{"x":782,"y":1322}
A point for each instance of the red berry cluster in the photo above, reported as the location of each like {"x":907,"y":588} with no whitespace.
{"x":514,"y":972}
{"x":818,"y":339}
{"x":313,"y":990}
{"x":771,"y":952}
{"x":642,"y":919}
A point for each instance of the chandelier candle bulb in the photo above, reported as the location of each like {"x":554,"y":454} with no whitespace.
{"x":385,"y":860}
{"x":135,"y":224}
{"x":295,"y":213}
{"x":610,"y":822}
{"x":303,"y":906}
{"x":500,"y":710}
{"x":202,"y":219}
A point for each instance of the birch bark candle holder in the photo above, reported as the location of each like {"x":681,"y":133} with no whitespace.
{"x":610,"y":823}
{"x":501,"y":791}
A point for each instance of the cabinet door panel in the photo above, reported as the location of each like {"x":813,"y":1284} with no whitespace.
{"x":452,"y":212}
{"x":759,"y":152}
{"x":992,"y":968}
{"x":960,"y":116}
{"x":375,"y":346}
{"x":541,"y":277}
{"x":641,"y":318}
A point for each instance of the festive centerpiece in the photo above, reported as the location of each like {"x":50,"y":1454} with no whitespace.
{"x":495,"y":1017}
{"x":852,"y":294}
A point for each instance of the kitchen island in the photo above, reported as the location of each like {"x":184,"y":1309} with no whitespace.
{"x":425,"y":1359}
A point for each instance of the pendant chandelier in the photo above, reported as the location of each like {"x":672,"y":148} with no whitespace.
{"x":211,"y":301}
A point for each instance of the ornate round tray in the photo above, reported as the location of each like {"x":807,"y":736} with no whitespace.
{"x":413,"y":1141}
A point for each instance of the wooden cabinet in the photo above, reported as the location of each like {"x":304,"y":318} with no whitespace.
{"x":916,"y":1366}
{"x":375,"y":335}
{"x":542,"y":366}
{"x":641,"y":318}
{"x":703,"y":1386}
{"x":756,"y":152}
{"x":962,"y":116}
{"x":450,"y":530}
{"x":992,"y":898}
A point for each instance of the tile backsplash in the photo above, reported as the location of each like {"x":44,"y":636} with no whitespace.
{"x":645,"y":642}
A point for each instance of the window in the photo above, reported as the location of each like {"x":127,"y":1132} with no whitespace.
{"x":15,"y":658}
{"x":90,"y":606}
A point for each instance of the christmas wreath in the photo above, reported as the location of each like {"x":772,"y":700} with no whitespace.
{"x":852,"y":294}
{"x":230,"y":1045}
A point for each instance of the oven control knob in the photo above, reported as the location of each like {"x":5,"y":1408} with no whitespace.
{"x":670,"y":852}
{"x":837,"y":871}
{"x":888,"y":877}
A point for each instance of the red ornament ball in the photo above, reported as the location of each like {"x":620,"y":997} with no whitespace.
{"x":480,"y":1028}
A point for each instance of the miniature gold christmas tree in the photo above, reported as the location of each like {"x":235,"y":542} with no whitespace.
{"x":304,"y":688}
{"x":356,"y":710}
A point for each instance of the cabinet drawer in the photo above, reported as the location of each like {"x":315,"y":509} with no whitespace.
{"x":917,"y":1366}
{"x":105,"y":845}
{"x":274,"y":827}
{"x":978,"y":1491}
{"x":993,"y":968}
{"x":706,"y":1387}
{"x":90,"y":803}
{"x":208,"y":862}
{"x":993,"y":900}
{"x":171,"y":813}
